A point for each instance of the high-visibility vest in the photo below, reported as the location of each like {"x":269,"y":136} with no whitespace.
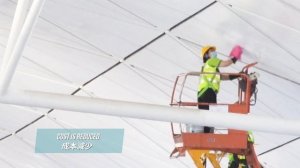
{"x":250,"y":137}
{"x":212,"y":80}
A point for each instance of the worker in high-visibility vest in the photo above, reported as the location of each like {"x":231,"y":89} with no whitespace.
{"x":210,"y":83}
{"x":239,"y":161}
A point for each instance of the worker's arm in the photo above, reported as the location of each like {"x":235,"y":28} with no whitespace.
{"x":224,"y":77}
{"x":226,"y":63}
{"x":235,"y":54}
{"x":229,"y":77}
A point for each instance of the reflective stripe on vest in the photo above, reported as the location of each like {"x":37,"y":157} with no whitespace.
{"x":209,"y":80}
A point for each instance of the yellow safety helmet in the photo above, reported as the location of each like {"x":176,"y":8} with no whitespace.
{"x":206,"y":48}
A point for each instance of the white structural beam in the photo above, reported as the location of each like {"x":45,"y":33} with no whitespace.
{"x":8,"y":71}
{"x":18,"y":21}
{"x":152,"y":112}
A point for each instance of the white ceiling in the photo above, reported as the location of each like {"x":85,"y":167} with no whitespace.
{"x":76,"y":40}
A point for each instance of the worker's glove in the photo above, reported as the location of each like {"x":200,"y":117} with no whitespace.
{"x":236,"y":53}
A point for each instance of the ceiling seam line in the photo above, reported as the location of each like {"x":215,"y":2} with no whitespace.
{"x":7,"y":162}
{"x":168,"y":32}
{"x":285,"y":143}
{"x":191,"y":16}
{"x":298,"y":137}
{"x":160,"y":77}
{"x":70,"y":33}
{"x":151,"y":83}
{"x":264,"y":70}
{"x":271,"y":21}
{"x":79,"y":38}
{"x":171,"y":87}
{"x":279,"y":146}
{"x":45,"y":155}
{"x":155,"y":143}
{"x":138,"y":130}
{"x":116,"y":19}
{"x":135,"y":15}
{"x":274,"y":112}
{"x":261,"y":32}
{"x":145,"y":45}
{"x":128,"y":56}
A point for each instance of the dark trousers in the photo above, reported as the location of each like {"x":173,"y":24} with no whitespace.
{"x":209,"y":96}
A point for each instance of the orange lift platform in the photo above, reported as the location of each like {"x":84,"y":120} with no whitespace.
{"x":212,"y":146}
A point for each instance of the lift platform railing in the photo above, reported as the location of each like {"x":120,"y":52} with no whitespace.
{"x":242,"y":105}
{"x":235,"y":141}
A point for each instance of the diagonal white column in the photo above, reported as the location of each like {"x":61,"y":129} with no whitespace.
{"x":18,"y":22}
{"x":8,"y":71}
{"x":152,"y":112}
